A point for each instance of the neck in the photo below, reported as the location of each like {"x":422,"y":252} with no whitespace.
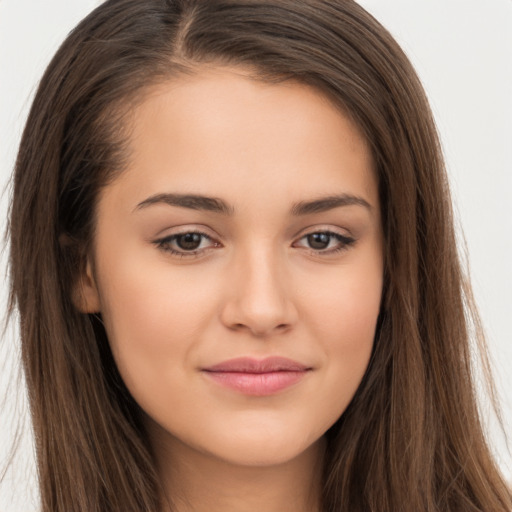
{"x":199,"y":482}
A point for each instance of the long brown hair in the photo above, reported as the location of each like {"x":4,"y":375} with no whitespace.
{"x":411,"y":439}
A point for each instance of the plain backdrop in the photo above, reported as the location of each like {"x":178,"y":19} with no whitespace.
{"x":462,"y":50}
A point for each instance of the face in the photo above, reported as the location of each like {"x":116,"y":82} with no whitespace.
{"x":237,"y":265}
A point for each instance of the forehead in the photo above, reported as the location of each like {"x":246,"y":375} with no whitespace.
{"x":222,"y":132}
{"x":223,"y":98}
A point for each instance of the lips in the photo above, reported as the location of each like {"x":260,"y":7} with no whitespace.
{"x":257,"y":377}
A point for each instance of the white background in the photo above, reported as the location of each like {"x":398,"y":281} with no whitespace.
{"x":462,"y":50}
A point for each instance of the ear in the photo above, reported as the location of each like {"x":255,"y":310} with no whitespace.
{"x":85,"y":292}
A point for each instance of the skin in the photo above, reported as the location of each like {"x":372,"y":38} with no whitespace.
{"x":255,"y":287}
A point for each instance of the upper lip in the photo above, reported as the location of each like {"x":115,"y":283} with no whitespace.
{"x":251,"y":365}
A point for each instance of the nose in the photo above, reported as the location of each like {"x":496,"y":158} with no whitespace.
{"x":260,"y":296}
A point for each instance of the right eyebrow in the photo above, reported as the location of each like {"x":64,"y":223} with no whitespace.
{"x":191,"y":201}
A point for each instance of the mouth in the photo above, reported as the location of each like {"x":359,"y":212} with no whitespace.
{"x":257,"y":377}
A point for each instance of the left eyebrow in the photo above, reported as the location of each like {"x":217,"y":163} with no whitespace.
{"x":324,"y":204}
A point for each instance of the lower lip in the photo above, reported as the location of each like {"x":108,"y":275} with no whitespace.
{"x":257,"y":384}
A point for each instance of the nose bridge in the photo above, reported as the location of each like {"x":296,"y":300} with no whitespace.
{"x":260,"y":296}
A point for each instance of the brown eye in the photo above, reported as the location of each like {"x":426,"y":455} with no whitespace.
{"x":325,"y":242}
{"x":189,"y":241}
{"x":192,"y":243}
{"x":319,"y":241}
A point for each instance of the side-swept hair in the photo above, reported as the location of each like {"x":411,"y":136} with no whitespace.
{"x":411,"y":439}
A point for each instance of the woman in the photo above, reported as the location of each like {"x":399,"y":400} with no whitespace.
{"x":235,"y":267}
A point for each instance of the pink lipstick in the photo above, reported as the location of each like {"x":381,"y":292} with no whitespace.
{"x":257,"y":377}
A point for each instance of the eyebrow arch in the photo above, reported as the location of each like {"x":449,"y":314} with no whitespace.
{"x":212,"y":204}
{"x":194,"y":202}
{"x":324,"y":204}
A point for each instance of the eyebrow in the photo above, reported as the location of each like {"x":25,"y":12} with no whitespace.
{"x":191,"y":201}
{"x":215,"y":205}
{"x":324,"y":204}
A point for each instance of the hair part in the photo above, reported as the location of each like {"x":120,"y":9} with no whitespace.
{"x":411,"y":439}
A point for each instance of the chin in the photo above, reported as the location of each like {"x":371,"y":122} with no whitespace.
{"x":269,"y":449}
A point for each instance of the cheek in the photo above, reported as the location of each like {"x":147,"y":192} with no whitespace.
{"x":153,"y":318}
{"x":344,"y":305}
{"x":344,"y":318}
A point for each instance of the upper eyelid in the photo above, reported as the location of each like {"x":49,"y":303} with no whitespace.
{"x":204,"y":230}
{"x":169,"y":238}
{"x":324,"y":229}
{"x":173,"y":236}
{"x":328,"y":231}
{"x":301,"y":234}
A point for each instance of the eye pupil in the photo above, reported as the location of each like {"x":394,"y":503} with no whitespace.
{"x":189,"y":241}
{"x":319,"y":240}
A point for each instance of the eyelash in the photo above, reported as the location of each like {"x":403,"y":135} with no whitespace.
{"x":164,"y":244}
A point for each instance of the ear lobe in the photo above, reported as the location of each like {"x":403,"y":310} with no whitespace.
{"x":85,"y":293}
